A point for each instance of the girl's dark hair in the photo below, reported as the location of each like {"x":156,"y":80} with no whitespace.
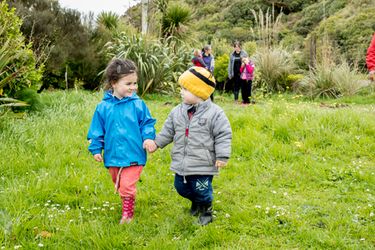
{"x":117,"y":69}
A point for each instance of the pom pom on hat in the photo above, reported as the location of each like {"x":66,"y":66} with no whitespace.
{"x":199,"y":81}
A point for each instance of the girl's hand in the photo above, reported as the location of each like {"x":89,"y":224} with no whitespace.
{"x":220,"y":164}
{"x":150,"y":145}
{"x":98,"y":157}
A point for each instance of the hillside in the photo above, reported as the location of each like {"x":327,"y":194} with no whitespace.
{"x":347,"y":24}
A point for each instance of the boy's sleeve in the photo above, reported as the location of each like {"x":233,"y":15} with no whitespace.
{"x":167,"y":133}
{"x":96,"y":134}
{"x":147,"y":123}
{"x":222,"y":133}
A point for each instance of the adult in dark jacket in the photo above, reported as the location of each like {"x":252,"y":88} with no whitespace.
{"x":234,"y":68}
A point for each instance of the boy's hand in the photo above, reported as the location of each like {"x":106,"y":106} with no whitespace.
{"x":220,"y":164}
{"x":98,"y":157}
{"x":150,"y":145}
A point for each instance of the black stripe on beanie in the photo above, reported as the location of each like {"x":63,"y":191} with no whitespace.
{"x":202,"y":77}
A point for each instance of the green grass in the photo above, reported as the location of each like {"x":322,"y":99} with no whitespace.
{"x":301,"y":176}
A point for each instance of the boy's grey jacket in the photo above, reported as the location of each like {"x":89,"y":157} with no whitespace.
{"x":209,"y":138}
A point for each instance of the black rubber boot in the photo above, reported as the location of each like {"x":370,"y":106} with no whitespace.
{"x":205,"y":216}
{"x":194,"y":210}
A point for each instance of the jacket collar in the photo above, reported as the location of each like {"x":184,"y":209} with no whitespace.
{"x":199,"y":107}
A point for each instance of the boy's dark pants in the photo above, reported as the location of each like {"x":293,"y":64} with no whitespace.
{"x":198,"y":188}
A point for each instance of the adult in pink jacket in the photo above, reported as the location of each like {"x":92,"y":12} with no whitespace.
{"x":370,"y":59}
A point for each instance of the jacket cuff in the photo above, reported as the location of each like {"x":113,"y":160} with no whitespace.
{"x":224,"y":159}
{"x":97,"y":151}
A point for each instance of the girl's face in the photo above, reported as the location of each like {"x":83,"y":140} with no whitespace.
{"x":125,"y":86}
{"x":237,"y":48}
{"x":188,"y":97}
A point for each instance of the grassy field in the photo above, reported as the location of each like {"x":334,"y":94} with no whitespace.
{"x":301,"y":176}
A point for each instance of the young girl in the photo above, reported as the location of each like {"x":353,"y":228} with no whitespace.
{"x":198,"y":59}
{"x":123,"y":128}
{"x":247,"y":70}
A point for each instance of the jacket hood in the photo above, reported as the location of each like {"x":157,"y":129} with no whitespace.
{"x":109,"y":97}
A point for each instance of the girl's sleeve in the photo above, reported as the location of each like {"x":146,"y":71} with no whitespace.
{"x":96,"y":134}
{"x":242,"y":68}
{"x":147,"y":123}
{"x":250,"y":68}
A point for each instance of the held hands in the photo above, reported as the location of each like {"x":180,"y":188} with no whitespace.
{"x":98,"y":157}
{"x":150,"y":145}
{"x":220,"y":164}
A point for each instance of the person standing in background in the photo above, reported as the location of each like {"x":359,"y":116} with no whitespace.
{"x":208,"y":58}
{"x":234,"y":67}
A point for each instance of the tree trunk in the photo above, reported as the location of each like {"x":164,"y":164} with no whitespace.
{"x":144,"y":16}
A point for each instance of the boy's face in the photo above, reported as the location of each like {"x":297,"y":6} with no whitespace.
{"x":125,"y":86}
{"x":188,"y":97}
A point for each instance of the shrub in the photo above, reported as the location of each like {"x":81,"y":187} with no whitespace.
{"x":330,"y":80}
{"x":159,"y":64}
{"x":350,"y":34}
{"x":273,"y":66}
{"x":221,"y":68}
{"x":18,"y":65}
{"x":250,"y":47}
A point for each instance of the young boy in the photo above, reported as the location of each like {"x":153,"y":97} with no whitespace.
{"x":202,"y":136}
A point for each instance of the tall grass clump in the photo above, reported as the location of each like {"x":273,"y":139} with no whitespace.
{"x":268,"y":26}
{"x":272,"y":68}
{"x":331,"y":80}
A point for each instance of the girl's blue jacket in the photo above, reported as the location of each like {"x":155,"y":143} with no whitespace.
{"x":119,"y":127}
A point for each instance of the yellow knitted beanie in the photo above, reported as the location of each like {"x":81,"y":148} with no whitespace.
{"x":199,"y":81}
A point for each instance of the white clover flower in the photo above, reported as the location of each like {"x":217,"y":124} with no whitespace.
{"x":17,"y":246}
{"x":227,"y":215}
{"x":258,"y":206}
{"x":40,"y":245}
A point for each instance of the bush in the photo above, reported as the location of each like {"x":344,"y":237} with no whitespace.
{"x":221,"y":68}
{"x":313,"y":14}
{"x":18,"y":65}
{"x":272,"y":68}
{"x":159,"y":64}
{"x":351,"y":34}
{"x":250,"y":47}
{"x":330,"y":80}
